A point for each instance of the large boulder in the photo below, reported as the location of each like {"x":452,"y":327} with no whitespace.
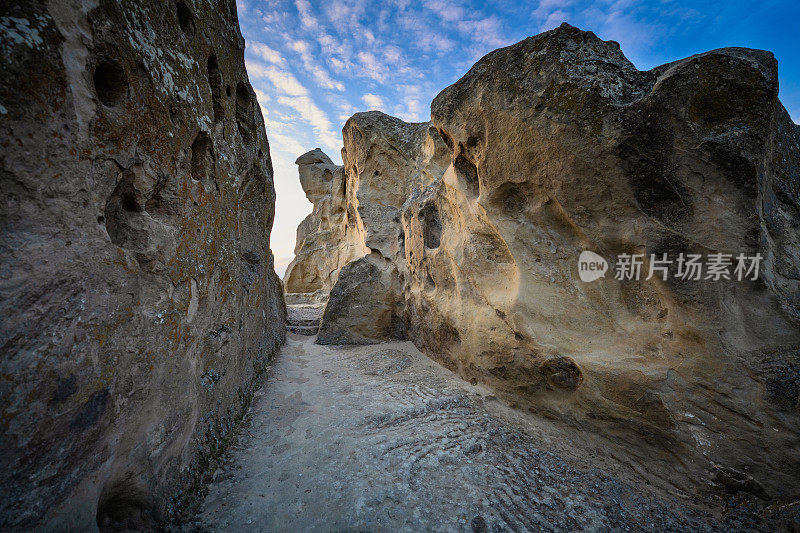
{"x":558,"y":145}
{"x":138,"y":299}
{"x":364,"y":305}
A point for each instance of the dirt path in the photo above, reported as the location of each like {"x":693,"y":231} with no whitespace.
{"x":380,"y":438}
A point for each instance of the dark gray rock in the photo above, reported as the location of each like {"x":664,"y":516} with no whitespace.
{"x":138,"y":299}
{"x":363,"y":305}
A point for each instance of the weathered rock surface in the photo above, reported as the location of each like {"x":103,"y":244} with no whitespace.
{"x":329,"y":237}
{"x":557,"y":145}
{"x":369,"y":287}
{"x":138,"y":297}
{"x":387,"y":162}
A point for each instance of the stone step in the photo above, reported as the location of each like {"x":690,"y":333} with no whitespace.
{"x":303,"y":330}
{"x":302,"y":321}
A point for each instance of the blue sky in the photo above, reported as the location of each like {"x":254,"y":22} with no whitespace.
{"x":314,"y":64}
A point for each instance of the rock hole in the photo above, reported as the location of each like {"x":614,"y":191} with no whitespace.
{"x":227,"y":90}
{"x":126,"y":506}
{"x":467,"y":173}
{"x":163,"y":200}
{"x":110,"y":82}
{"x":203,"y":165}
{"x":431,"y":226}
{"x":562,"y":373}
{"x":185,"y":18}
{"x":124,"y":201}
{"x":92,"y":410}
{"x":352,"y":217}
{"x":510,"y":199}
{"x":243,"y":109}
{"x":478,"y":523}
{"x":65,"y":388}
{"x":215,"y":82}
{"x":448,"y":335}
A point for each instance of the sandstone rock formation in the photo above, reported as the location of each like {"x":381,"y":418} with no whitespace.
{"x":329,"y":237}
{"x":387,"y":162}
{"x":557,"y":145}
{"x":139,"y":299}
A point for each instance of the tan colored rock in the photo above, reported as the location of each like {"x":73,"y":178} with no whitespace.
{"x":138,"y":297}
{"x":557,"y":145}
{"x":387,"y":162}
{"x":328,"y":238}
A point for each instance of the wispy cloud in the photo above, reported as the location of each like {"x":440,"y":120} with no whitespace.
{"x":371,"y":67}
{"x":486,"y":31}
{"x":319,"y":74}
{"x":373,"y":101}
{"x":266,"y":53}
{"x":316,"y":117}
{"x":448,"y":11}
{"x":307,"y":19}
{"x":283,"y":80}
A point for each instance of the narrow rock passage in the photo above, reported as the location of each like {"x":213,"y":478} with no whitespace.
{"x":381,"y":438}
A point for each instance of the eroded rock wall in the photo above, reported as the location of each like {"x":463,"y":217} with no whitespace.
{"x":328,"y":238}
{"x":387,"y":163}
{"x":139,"y":299}
{"x":557,"y":145}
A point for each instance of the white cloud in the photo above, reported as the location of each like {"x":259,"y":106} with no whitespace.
{"x":266,"y":53}
{"x":346,"y":16}
{"x":433,"y":42}
{"x":319,"y":74}
{"x":393,"y":55}
{"x":297,"y":97}
{"x":283,"y":80}
{"x":448,"y":11}
{"x":371,"y":67}
{"x":285,"y":143}
{"x":315,"y":116}
{"x":307,"y":19}
{"x":373,"y":101}
{"x":547,"y":7}
{"x":487,"y":31}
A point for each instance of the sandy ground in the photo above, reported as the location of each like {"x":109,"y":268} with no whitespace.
{"x":381,"y":438}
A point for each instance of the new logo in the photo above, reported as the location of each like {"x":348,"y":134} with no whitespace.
{"x":591,"y":266}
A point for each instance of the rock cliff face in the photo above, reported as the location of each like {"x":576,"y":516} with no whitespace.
{"x":328,"y":238}
{"x":387,"y":163}
{"x":558,"y":145}
{"x":139,"y":299}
